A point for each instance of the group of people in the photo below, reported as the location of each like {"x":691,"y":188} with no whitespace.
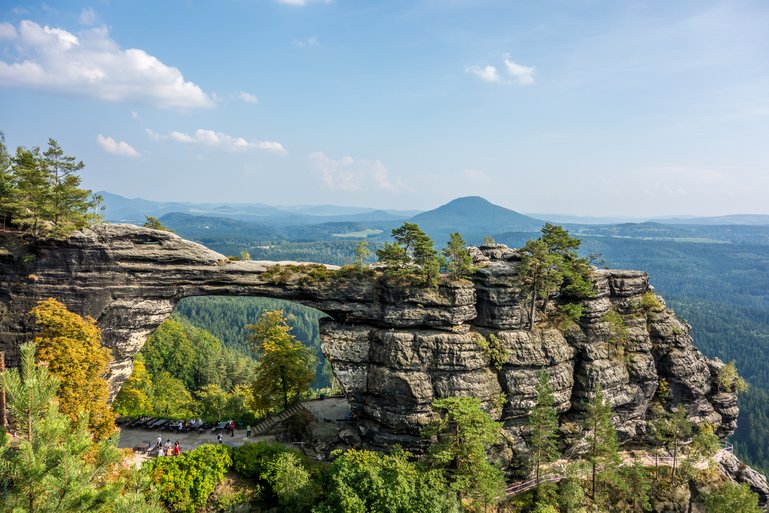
{"x":167,"y":449}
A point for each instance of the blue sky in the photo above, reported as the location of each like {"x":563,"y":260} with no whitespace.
{"x":583,"y":107}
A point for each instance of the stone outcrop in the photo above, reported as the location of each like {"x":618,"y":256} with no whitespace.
{"x":394,"y":349}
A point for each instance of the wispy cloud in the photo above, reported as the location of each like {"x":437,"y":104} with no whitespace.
{"x":305,"y":43}
{"x":524,"y":75}
{"x":486,"y":73}
{"x":349,"y":175}
{"x":88,"y":16}
{"x":516,"y":73}
{"x":92,"y":64}
{"x":120,"y":148}
{"x":219,"y":140}
{"x":248,"y":97}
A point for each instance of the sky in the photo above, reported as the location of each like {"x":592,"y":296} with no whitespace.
{"x":583,"y":107}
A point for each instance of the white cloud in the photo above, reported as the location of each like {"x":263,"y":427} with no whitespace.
{"x":121,"y":148}
{"x":247,"y":97}
{"x":524,"y":75}
{"x":135,"y":115}
{"x":475,"y":176}
{"x":92,"y":64}
{"x":88,"y":16}
{"x":349,"y":175}
{"x":305,"y":43}
{"x":219,"y":140}
{"x":487,"y":73}
{"x":7,"y":31}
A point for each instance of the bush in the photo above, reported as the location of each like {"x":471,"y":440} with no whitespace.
{"x":184,"y":482}
{"x":252,"y":459}
{"x":651,"y":303}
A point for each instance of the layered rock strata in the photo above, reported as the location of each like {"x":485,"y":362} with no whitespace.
{"x":394,"y":349}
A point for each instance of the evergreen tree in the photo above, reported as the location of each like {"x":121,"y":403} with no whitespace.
{"x":543,"y":426}
{"x":673,"y":428}
{"x":411,"y":255}
{"x":465,"y":433}
{"x":550,"y":264}
{"x":603,"y":448}
{"x":71,"y":345}
{"x":459,"y":260}
{"x":362,"y":252}
{"x":155,"y":224}
{"x":31,"y":201}
{"x":70,"y":205}
{"x":286,"y":367}
{"x":6,"y":183}
{"x":56,"y":467}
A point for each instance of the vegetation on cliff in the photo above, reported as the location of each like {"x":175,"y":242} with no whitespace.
{"x":40,"y":191}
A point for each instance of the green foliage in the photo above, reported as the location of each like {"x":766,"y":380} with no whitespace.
{"x":618,"y":333}
{"x":56,"y":465}
{"x":550,"y":265}
{"x":459,"y":261}
{"x":184,"y":482}
{"x":571,"y":496}
{"x":286,"y":367}
{"x":155,"y":224}
{"x":304,"y":274}
{"x":572,"y":311}
{"x":649,"y":302}
{"x":603,"y":447}
{"x":731,"y":498}
{"x":495,"y":350}
{"x":362,"y":253}
{"x":543,"y":425}
{"x":252,"y":459}
{"x":412,"y":257}
{"x":730,"y":381}
{"x":40,"y":191}
{"x":195,"y":357}
{"x":290,"y":481}
{"x":371,"y":482}
{"x":705,"y":443}
{"x":71,"y":346}
{"x":672,"y":428}
{"x":464,"y":434}
{"x":226,"y":318}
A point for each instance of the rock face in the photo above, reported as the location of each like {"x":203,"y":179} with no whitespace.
{"x":394,"y":349}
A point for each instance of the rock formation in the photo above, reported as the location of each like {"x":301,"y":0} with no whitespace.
{"x":394,"y":349}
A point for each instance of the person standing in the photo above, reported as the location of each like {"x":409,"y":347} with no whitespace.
{"x":219,"y":437}
{"x":232,"y":428}
{"x":248,"y":431}
{"x":177,"y":448}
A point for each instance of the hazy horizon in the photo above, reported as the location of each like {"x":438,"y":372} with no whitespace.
{"x":590,"y":108}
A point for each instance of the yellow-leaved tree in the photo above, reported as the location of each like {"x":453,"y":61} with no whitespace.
{"x":71,"y":346}
{"x":286,"y":367}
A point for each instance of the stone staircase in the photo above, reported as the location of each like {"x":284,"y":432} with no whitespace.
{"x":267,"y":424}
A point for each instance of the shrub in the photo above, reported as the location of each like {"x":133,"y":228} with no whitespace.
{"x":651,"y":303}
{"x":184,"y":482}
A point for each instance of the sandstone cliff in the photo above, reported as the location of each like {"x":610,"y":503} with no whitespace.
{"x":394,"y":349}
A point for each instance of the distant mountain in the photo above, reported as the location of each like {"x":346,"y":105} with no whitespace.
{"x":729,"y":220}
{"x":118,"y":209}
{"x":474,"y":218}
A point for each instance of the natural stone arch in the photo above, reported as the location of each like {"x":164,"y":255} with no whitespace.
{"x":394,"y":349}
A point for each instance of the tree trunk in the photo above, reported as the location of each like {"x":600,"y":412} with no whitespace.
{"x":284,"y":385}
{"x":533,"y":311}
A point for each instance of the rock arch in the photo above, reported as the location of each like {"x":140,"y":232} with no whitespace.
{"x":393,"y":349}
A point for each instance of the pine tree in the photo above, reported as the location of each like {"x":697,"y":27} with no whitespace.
{"x":69,"y":203}
{"x":362,"y":252}
{"x":31,"y":201}
{"x":465,"y":433}
{"x":673,"y":428}
{"x":411,"y":255}
{"x":6,"y":183}
{"x":543,"y":424}
{"x":71,"y":346}
{"x":56,"y":466}
{"x":459,"y":260}
{"x":603,"y":447}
